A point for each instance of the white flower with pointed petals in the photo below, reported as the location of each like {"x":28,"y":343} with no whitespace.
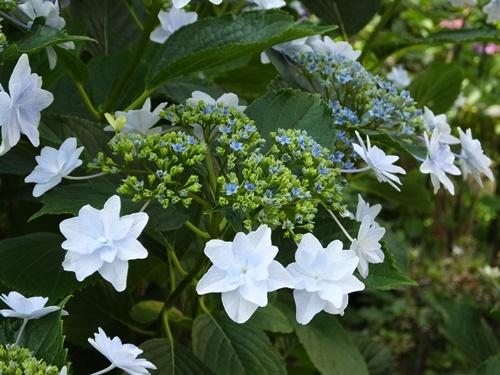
{"x":288,"y":48}
{"x":20,"y":111}
{"x":473,"y":160}
{"x":25,"y":308}
{"x":49,"y":10}
{"x":439,"y":162}
{"x":227,"y":100}
{"x":323,"y":278}
{"x":328,"y":46}
{"x":244,"y":272}
{"x":399,"y":77}
{"x":170,"y":22}
{"x":182,"y":3}
{"x":366,"y":245}
{"x":492,"y":10}
{"x":379,"y":162}
{"x":53,"y":165}
{"x":122,"y":356}
{"x":268,"y":4}
{"x":364,"y":209}
{"x":101,"y":240}
{"x":140,"y":121}
{"x":440,"y":123}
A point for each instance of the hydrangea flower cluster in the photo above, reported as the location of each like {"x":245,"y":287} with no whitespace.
{"x":16,"y":360}
{"x":165,"y":162}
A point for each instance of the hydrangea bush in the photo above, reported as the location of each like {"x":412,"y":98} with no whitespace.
{"x":156,"y":188}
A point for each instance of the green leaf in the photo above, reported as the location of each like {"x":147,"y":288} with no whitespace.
{"x":467,"y":330}
{"x":68,"y":199}
{"x":489,"y":367}
{"x":292,"y":109}
{"x":17,"y":161}
{"x":172,"y":358}
{"x":378,"y":358}
{"x":437,"y":87}
{"x":31,"y":264}
{"x":230,"y":348}
{"x":213,"y":41}
{"x":37,"y":38}
{"x":146,"y":311}
{"x":271,"y":319}
{"x":73,"y":65}
{"x":350,"y":15}
{"x":327,"y":344}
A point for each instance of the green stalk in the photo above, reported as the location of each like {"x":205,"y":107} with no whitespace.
{"x":196,"y":230}
{"x":385,"y":18}
{"x":134,"y":61}
{"x":87,"y":101}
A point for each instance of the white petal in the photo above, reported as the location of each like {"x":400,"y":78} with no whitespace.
{"x":308,"y":304}
{"x":237,"y":308}
{"x":279,"y":277}
{"x":115,"y":273}
{"x":214,"y":281}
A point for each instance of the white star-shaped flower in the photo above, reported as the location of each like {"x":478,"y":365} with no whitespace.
{"x":439,"y":162}
{"x":492,"y":9}
{"x":473,"y":160}
{"x":462,"y":3}
{"x":366,"y":245}
{"x":140,"y":121}
{"x":288,"y":48}
{"x":122,"y":356}
{"x":328,"y":46}
{"x":227,"y":100}
{"x":101,"y":240}
{"x":399,"y":77}
{"x":440,"y":123}
{"x":268,"y":4}
{"x":170,"y":22}
{"x":53,"y":165}
{"x":25,"y":308}
{"x":244,"y":272}
{"x":20,"y":111}
{"x":323,"y":278}
{"x":182,"y":3}
{"x":379,"y":162}
{"x":49,"y":10}
{"x":365,"y":209}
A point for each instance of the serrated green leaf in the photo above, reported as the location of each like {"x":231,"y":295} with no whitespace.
{"x":489,"y":367}
{"x":73,"y":65}
{"x":32,"y":264}
{"x":68,"y":199}
{"x":213,"y":41}
{"x":271,"y":319}
{"x":350,"y":15}
{"x":230,"y":348}
{"x":325,"y":341}
{"x":17,"y":161}
{"x":38,"y":37}
{"x":172,"y":358}
{"x":292,"y":109}
{"x":378,"y":358}
{"x":437,"y":87}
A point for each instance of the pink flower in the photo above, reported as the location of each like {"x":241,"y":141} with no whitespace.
{"x":452,"y":24}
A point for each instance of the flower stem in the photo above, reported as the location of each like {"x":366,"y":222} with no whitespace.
{"x":21,"y":330}
{"x":136,"y":57}
{"x":14,"y":21}
{"x":196,"y":230}
{"x":103,"y":371}
{"x":339,"y":224}
{"x":355,"y":170}
{"x":145,"y":205}
{"x":164,"y":317}
{"x":173,"y":257}
{"x":87,"y":101}
{"x":134,"y":15}
{"x":77,"y":178}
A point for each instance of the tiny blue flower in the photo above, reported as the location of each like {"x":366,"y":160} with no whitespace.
{"x":231,"y":188}
{"x":284,"y":140}
{"x":249,"y":128}
{"x":316,"y":150}
{"x":297,"y":192}
{"x":179,"y":147}
{"x":319,"y":187}
{"x":302,"y":142}
{"x":232,"y":122}
{"x":208,"y":110}
{"x":249,"y":186}
{"x":235,"y":145}
{"x":225,"y":129}
{"x":348,"y":164}
{"x":192,"y":140}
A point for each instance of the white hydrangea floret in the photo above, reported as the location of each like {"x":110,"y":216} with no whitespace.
{"x":367,"y":245}
{"x":20,"y":111}
{"x":323,"y":278}
{"x":440,"y":123}
{"x":439,"y":161}
{"x":244,"y":272}
{"x":54,"y":165}
{"x":227,"y":100}
{"x":25,"y":308}
{"x":140,"y":121}
{"x":377,"y":160}
{"x":268,"y":4}
{"x":472,"y":158}
{"x":170,"y":22}
{"x":288,"y":48}
{"x":492,"y":10}
{"x":122,"y":356}
{"x":399,"y":77}
{"x":329,"y":47}
{"x":363,"y":209}
{"x":101,"y":240}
